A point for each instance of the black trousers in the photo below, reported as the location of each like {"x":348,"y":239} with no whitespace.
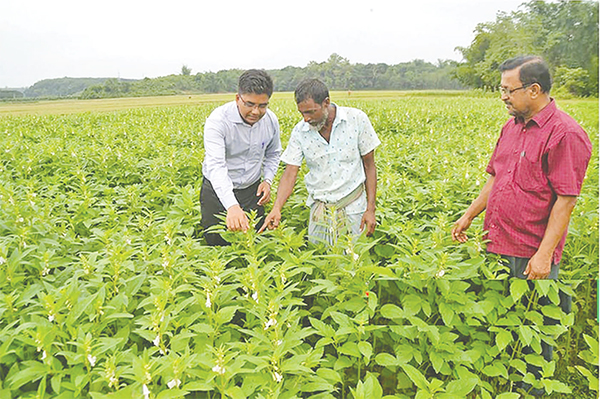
{"x":517,"y":267}
{"x":211,"y":206}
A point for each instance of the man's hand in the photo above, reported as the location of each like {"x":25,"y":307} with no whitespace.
{"x":271,"y":221}
{"x":459,"y":228}
{"x":538,"y":267}
{"x":368,"y":222}
{"x":236,"y":219}
{"x":264,"y":188}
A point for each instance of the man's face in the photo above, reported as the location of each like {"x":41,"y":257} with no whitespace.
{"x":252,"y":106}
{"x":515,"y":96}
{"x":314,"y":114}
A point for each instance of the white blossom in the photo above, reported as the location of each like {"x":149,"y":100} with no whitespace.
{"x":277,"y":377}
{"x":208,"y":302}
{"x":156,"y":340}
{"x":173,"y":383}
{"x":271,"y":322}
{"x":255,"y":296}
{"x":219,"y":369}
{"x":92,"y":360}
{"x":2,"y":260}
{"x":146,"y":391}
{"x":440,"y":273}
{"x":50,"y":317}
{"x":44,"y":355}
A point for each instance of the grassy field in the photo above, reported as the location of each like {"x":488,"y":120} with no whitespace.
{"x":57,"y":107}
{"x":107,"y":288}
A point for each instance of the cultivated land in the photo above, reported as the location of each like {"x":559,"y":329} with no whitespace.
{"x":106,"y":284}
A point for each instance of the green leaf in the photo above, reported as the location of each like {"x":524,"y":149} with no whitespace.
{"x":447,"y":313}
{"x":391,"y":311}
{"x":462,"y":387}
{"x":503,"y":338}
{"x":415,"y":376}
{"x":373,"y":389}
{"x":235,"y":393}
{"x":386,"y":360}
{"x":509,"y":395}
{"x":518,"y":288}
{"x":198,"y":386}
{"x":350,"y":348}
{"x":365,"y":348}
{"x":555,"y":386}
{"x":526,"y":334}
{"x":495,"y":370}
{"x":225,"y":314}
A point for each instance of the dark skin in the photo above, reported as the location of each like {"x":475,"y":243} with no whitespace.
{"x":316,"y":114}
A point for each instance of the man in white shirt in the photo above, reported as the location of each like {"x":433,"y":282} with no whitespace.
{"x":241,"y":154}
{"x":338,"y":145}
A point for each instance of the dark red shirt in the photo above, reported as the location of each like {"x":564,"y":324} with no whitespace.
{"x":532,"y":164}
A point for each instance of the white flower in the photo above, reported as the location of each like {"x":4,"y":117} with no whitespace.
{"x":146,"y":391}
{"x":156,"y":340}
{"x":279,"y":342}
{"x":92,"y":360}
{"x":277,"y":377}
{"x":44,"y":355}
{"x":50,"y":317}
{"x":255,"y":296}
{"x":271,"y":322}
{"x":113,"y":381}
{"x":128,"y":241}
{"x":440,"y":273}
{"x":2,"y":260}
{"x":218,"y":369}
{"x":173,"y":383}
{"x":208,"y":302}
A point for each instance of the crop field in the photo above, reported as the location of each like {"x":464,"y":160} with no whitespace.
{"x":107,"y":289}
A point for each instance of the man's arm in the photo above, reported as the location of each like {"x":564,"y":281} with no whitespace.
{"x":368,"y":220}
{"x":285,"y":189}
{"x":476,"y":207}
{"x":216,"y":173}
{"x":541,"y":262}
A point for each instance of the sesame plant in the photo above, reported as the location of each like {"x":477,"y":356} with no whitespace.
{"x":108,"y":290}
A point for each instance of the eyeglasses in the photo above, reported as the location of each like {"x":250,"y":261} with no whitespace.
{"x":504,"y":90}
{"x":250,"y":104}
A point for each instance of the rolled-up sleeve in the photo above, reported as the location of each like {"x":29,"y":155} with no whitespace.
{"x":215,"y":163}
{"x":293,"y":153}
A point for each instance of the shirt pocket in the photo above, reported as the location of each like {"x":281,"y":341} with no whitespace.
{"x":529,"y":175}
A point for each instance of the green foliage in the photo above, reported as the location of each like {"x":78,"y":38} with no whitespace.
{"x":108,"y":290}
{"x":565,"y":33}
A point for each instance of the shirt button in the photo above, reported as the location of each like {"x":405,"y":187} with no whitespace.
{"x":509,"y":171}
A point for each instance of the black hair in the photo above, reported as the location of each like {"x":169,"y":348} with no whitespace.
{"x":255,"y":81}
{"x":533,"y":69}
{"x":311,"y":88}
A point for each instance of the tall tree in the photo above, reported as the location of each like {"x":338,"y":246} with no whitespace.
{"x":565,"y":33}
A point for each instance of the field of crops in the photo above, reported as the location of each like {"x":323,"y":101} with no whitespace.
{"x":108,"y":291}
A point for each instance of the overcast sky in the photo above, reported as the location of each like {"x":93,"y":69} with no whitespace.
{"x":42,"y":39}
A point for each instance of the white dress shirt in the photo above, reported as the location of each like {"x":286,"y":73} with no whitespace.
{"x":236,"y":154}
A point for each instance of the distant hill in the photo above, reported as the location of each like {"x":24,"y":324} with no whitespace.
{"x":63,"y":87}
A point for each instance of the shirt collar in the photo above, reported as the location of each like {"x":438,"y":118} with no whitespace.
{"x":543,"y":116}
{"x":233,"y":114}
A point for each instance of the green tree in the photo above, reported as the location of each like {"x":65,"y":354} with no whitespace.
{"x":565,"y":33}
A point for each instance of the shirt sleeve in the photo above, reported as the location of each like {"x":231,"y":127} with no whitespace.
{"x":215,"y":163}
{"x":367,"y":138}
{"x":293,"y":153}
{"x":272,"y":152}
{"x":567,"y":163}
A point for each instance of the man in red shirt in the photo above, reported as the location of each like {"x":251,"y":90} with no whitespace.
{"x":536,"y":173}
